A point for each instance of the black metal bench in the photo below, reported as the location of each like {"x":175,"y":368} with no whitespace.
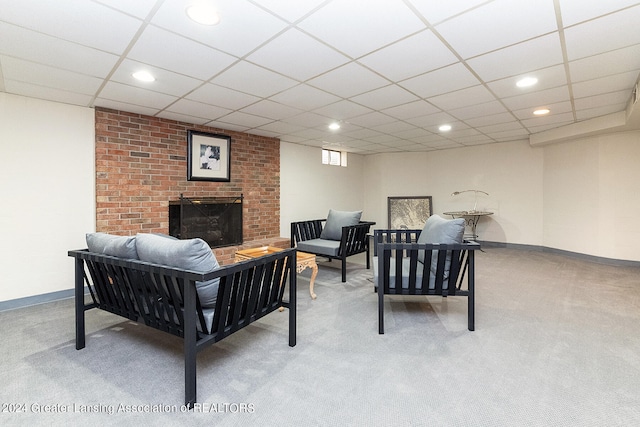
{"x":165,"y":298}
{"x":442,"y":271}
{"x":305,"y":235}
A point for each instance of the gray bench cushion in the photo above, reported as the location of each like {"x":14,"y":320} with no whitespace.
{"x":444,"y":231}
{"x":320,"y":246}
{"x":110,"y":244}
{"x":336,"y":220}
{"x":190,"y":254}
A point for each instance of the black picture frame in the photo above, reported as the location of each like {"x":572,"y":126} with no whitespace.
{"x":208,"y":156}
{"x":408,"y":212}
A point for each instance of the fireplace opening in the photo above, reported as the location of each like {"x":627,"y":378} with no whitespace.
{"x":217,"y":221}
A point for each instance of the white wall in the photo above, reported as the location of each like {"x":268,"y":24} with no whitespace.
{"x":578,"y":196}
{"x":591,"y":200}
{"x":308,"y":189}
{"x":48,"y":193}
{"x":510,"y":172}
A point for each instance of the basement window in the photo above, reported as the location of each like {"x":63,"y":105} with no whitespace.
{"x":335,"y":158}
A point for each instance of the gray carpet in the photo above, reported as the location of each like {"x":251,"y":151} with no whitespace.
{"x":556,"y":344}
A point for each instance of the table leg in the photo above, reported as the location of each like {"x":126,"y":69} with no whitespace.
{"x":314,"y":273}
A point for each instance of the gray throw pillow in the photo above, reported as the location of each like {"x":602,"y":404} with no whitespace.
{"x":110,"y":244}
{"x":189,"y":254}
{"x":440,"y":230}
{"x":336,"y":220}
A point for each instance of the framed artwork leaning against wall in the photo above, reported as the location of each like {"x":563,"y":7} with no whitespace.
{"x":409,"y":212}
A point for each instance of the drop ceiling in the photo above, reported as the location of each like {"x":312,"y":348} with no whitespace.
{"x":390,"y":72}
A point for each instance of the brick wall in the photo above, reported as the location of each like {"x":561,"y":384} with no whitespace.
{"x":141,"y":164}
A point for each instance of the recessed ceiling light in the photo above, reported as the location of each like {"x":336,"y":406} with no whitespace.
{"x":334,"y":126}
{"x":541,"y":112}
{"x":444,"y":128}
{"x":526,"y":82}
{"x":203,"y":14}
{"x":144,"y":76}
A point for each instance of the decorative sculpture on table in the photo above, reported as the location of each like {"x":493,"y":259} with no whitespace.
{"x":475,"y":204}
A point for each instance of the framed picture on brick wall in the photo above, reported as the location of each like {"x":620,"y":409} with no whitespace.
{"x":208,"y":156}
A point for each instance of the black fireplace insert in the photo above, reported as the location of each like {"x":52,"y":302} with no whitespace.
{"x":218,"y":221}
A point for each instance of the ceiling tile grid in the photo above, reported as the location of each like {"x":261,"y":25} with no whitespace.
{"x":389,"y":72}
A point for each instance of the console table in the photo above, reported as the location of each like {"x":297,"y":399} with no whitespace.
{"x":471,"y":219}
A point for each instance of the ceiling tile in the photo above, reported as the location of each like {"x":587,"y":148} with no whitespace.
{"x":391,"y":71}
{"x":227,"y":126}
{"x":448,"y":79}
{"x":541,"y":123}
{"x":76,"y":20}
{"x":349,"y":80}
{"x":594,"y":37}
{"x":197,"y":109}
{"x":501,"y":23}
{"x":491,"y":120}
{"x":574,"y":12}
{"x":361,"y":133}
{"x":335,"y":25}
{"x":125,"y":106}
{"x":474,"y":140}
{"x":342,"y":110}
{"x":308,"y":120}
{"x":271,"y":110}
{"x":222,"y":96}
{"x":163,"y":49}
{"x":249,"y":78}
{"x":292,"y":10}
{"x":602,"y":100}
{"x":394,"y":128}
{"x":139,"y":8}
{"x":135,"y":96}
{"x":170,"y":115}
{"x":371,"y":119}
{"x":388,"y":96}
{"x":283,"y":54}
{"x":243,"y":119}
{"x":411,"y":110}
{"x":427,"y":53}
{"x":555,"y":108}
{"x":615,"y":83}
{"x":305,"y":97}
{"x":41,"y":48}
{"x":539,"y":53}
{"x":281,"y":128}
{"x":591,"y":113}
{"x":537,"y":99}
{"x":243,"y":26}
{"x":477,"y":110}
{"x":614,"y":62}
{"x":431,"y":120}
{"x":547,"y":78}
{"x":54,"y":78}
{"x":470,"y":96}
{"x":51,"y":94}
{"x":500,"y":127}
{"x":166,"y":81}
{"x":437,"y":11}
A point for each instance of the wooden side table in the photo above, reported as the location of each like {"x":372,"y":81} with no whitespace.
{"x":303,"y":261}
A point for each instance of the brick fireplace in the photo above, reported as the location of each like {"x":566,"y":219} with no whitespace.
{"x":141,"y":165}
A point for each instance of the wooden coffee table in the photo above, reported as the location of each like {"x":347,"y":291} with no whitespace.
{"x":303,"y":261}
